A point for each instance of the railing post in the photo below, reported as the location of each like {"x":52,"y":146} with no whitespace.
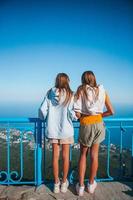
{"x":108,"y":156}
{"x":132,"y":158}
{"x":121,"y":151}
{"x":8,"y":155}
{"x":39,"y":153}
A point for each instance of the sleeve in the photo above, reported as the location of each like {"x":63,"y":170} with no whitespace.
{"x":71,"y":111}
{"x":78,"y":105}
{"x":43,"y":110}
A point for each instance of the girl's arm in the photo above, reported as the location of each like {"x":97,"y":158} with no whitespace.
{"x":78,"y":106}
{"x":71,"y":112}
{"x":43,"y":110}
{"x":109,"y":108}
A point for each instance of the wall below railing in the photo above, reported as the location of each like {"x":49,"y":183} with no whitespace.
{"x":23,"y":150}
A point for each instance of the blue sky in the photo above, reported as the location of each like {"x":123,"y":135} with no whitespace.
{"x":39,"y":39}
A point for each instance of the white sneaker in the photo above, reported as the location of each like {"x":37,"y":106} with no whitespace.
{"x":64,"y":186}
{"x":91,"y":187}
{"x":80,"y":189}
{"x":56,"y":187}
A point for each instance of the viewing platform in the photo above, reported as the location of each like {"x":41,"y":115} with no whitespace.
{"x":104,"y":191}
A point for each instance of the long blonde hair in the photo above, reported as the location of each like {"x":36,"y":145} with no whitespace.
{"x":87,"y":78}
{"x":62,"y":82}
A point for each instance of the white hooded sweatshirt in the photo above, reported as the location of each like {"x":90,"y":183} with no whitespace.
{"x":58,"y":116}
{"x":93,"y":104}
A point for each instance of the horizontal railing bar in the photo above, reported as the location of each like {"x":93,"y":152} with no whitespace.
{"x":118,"y":119}
{"x":21,"y":120}
{"x":26,"y":120}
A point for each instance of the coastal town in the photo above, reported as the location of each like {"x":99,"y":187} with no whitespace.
{"x":16,"y":136}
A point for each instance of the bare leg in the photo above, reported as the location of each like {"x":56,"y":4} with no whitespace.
{"x":55,"y":160}
{"x":94,"y":162}
{"x":65,"y":158}
{"x":82,"y":163}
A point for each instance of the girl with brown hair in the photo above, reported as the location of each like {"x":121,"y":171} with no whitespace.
{"x":91,"y":99}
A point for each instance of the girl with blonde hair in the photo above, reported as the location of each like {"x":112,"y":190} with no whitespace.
{"x":91,"y":99}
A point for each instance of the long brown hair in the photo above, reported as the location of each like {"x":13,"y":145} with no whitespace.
{"x":62,"y":82}
{"x":87,"y":78}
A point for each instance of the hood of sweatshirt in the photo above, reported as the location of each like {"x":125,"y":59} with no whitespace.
{"x":55,"y":97}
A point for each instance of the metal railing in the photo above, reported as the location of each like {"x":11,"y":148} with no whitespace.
{"x":18,"y":136}
{"x":23,"y":130}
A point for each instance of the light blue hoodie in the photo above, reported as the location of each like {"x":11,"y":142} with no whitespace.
{"x":58,"y":116}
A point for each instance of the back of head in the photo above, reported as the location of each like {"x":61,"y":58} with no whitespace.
{"x":62,"y":84}
{"x":87,"y":78}
{"x":62,"y":81}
